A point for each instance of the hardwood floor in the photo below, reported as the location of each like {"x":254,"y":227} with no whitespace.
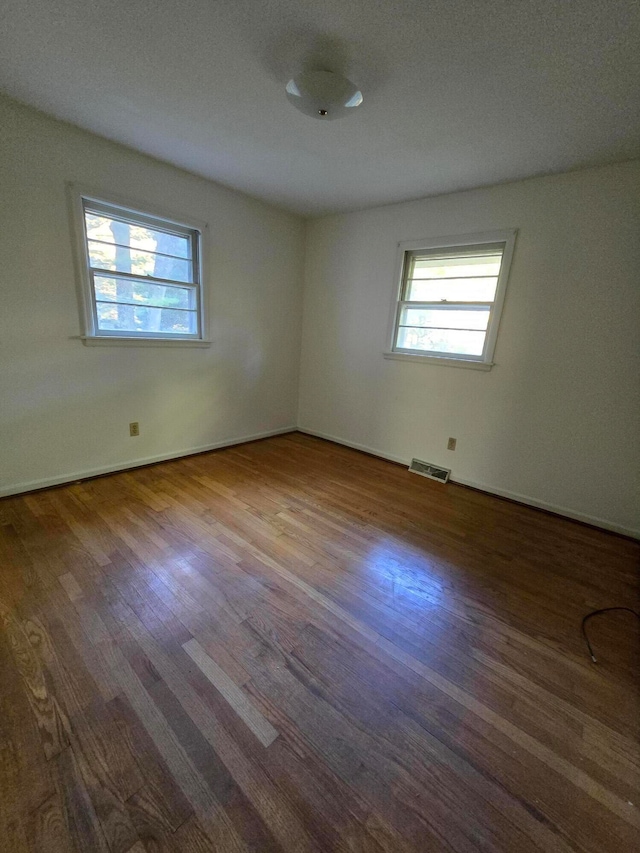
{"x":288,"y":645}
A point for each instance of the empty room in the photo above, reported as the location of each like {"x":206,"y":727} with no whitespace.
{"x":320,"y":426}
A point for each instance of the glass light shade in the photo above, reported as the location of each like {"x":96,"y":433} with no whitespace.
{"x":323,"y":94}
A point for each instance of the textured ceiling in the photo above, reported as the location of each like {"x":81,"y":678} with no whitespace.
{"x":458,"y":93}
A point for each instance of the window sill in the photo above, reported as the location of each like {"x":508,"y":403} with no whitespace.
{"x":445,"y":362}
{"x":116,"y":341}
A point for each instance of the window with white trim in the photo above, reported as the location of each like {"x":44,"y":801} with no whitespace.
{"x":450,"y":297}
{"x":141,"y":274}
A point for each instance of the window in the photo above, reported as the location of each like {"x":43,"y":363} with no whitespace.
{"x":141,"y":275}
{"x":450,"y":298}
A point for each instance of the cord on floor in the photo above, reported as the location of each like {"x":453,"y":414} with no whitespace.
{"x":586,"y":618}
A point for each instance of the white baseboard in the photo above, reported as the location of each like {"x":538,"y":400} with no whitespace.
{"x":33,"y":485}
{"x":492,"y":490}
{"x":365,"y":449}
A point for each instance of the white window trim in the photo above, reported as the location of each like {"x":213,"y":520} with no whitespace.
{"x":89,"y":333}
{"x":485,"y":361}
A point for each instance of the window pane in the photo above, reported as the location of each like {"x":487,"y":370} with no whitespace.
{"x":111,"y":289}
{"x":456,"y":267}
{"x":441,"y":340}
{"x":452,"y":289}
{"x":140,"y":319}
{"x":446,"y":318}
{"x":124,"y":251}
{"x":112,"y":230}
{"x":109,"y":257}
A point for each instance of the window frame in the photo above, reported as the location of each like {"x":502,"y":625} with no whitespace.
{"x":405,"y":251}
{"x":144,"y":214}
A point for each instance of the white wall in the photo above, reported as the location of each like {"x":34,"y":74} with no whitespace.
{"x":557,"y":420}
{"x":64,"y":407}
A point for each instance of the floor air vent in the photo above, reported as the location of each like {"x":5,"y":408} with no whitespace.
{"x":426,"y":469}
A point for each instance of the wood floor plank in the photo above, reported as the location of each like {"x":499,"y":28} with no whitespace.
{"x":188,"y":779}
{"x":572,"y":773}
{"x":159,"y":802}
{"x":269,"y":803}
{"x":44,"y":706}
{"x":354,"y":684}
{"x":248,"y":824}
{"x":71,"y":586}
{"x":260,"y":726}
{"x":289,"y":645}
{"x":50,"y":830}
{"x":25,"y":773}
{"x":107,"y":772}
{"x":85,"y":643}
{"x":77,"y":806}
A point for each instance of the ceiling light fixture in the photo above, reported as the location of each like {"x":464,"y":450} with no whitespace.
{"x":323,"y":94}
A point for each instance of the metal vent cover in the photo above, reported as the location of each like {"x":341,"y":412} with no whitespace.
{"x":427,"y":469}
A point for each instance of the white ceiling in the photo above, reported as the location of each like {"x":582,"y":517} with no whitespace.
{"x":457,"y":93}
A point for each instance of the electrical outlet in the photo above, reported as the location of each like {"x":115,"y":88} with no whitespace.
{"x":451,"y":444}
{"x":134,"y":428}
